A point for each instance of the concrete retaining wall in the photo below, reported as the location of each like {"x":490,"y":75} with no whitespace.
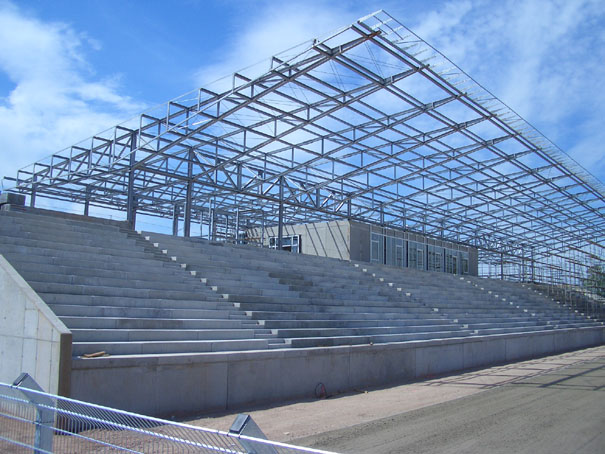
{"x":32,"y":338}
{"x":217,"y":381}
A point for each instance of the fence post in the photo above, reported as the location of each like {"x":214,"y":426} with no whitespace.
{"x":45,"y":413}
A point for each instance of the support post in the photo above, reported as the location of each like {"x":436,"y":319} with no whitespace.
{"x":213,"y":220}
{"x":131,"y":202}
{"x":187,"y":216}
{"x":209,"y":219}
{"x":175,"y":219}
{"x":501,"y":266}
{"x":349,"y":209}
{"x":237,"y":225}
{"x":32,"y":198}
{"x":45,"y":413}
{"x":280,"y":220}
{"x":533,"y":266}
{"x":87,"y":200}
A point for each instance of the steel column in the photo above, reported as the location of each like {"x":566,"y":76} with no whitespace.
{"x":175,"y":219}
{"x":32,"y":198}
{"x":187,"y":216}
{"x":280,"y":220}
{"x":87,"y":200}
{"x":131,"y":202}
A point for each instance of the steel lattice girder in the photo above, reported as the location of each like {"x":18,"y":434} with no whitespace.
{"x":370,"y":123}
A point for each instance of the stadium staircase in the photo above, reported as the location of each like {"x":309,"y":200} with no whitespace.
{"x":137,"y":293}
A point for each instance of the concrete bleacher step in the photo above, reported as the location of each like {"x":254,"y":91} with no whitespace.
{"x":129,"y":335}
{"x":335,"y":323}
{"x":150,"y":281}
{"x":169,"y":347}
{"x":375,"y":339}
{"x":143,"y":312}
{"x":99,"y":290}
{"x":350,"y":315}
{"x":361,"y":331}
{"x":328,"y":308}
{"x":99,"y":322}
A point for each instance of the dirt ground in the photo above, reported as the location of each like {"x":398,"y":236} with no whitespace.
{"x":294,"y":421}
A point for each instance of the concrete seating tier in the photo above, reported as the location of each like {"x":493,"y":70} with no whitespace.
{"x":483,"y":306}
{"x":307,"y":301}
{"x":138,"y":293}
{"x":119,"y":295}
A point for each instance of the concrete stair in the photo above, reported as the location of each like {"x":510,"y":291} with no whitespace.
{"x":116,"y":294}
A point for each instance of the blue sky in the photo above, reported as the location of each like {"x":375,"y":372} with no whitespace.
{"x":69,"y":69}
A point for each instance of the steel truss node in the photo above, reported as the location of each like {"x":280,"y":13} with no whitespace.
{"x":370,"y":123}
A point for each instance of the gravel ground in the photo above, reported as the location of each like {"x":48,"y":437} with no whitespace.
{"x":552,"y":404}
{"x":562,"y":411}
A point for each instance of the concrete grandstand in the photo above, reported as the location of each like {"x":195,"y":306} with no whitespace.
{"x":351,"y":205}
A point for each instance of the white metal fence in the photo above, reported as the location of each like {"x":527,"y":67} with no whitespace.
{"x":33,"y":421}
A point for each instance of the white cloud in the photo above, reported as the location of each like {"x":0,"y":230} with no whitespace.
{"x":54,"y":99}
{"x":542,"y":58}
{"x":269,"y":32}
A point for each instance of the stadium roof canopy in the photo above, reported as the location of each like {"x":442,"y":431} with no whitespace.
{"x":369,"y":123}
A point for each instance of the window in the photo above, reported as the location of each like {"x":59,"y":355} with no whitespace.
{"x":464,"y":263}
{"x":288,"y":243}
{"x":394,"y":251}
{"x":435,"y":258}
{"x":415,"y":255}
{"x":377,"y":248}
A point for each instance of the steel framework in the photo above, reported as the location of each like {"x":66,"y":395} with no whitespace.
{"x":369,"y":123}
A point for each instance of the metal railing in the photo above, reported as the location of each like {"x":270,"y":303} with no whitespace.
{"x":34,"y":421}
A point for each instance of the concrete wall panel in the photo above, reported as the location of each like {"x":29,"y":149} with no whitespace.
{"x":438,"y":359}
{"x":380,"y":365}
{"x":484,"y":351}
{"x":215,"y":381}
{"x":32,"y":338}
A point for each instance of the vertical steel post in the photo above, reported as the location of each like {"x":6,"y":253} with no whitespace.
{"x":209,"y":219}
{"x":237,"y":225}
{"x":87,"y":200}
{"x":187,"y":216}
{"x":213,"y":220}
{"x":522,"y":263}
{"x":131,"y":202}
{"x":501,"y":266}
{"x":32,"y":198}
{"x":533,"y":266}
{"x":45,"y":413}
{"x":280,"y":220}
{"x":175,"y":219}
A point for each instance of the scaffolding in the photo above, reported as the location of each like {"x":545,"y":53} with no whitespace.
{"x":369,"y":123}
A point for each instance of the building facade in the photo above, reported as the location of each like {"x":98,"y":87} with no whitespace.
{"x":352,"y":240}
